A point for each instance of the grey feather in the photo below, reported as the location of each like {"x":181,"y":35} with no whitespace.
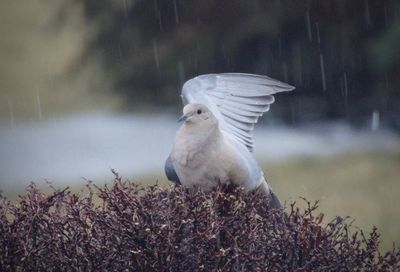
{"x":256,"y":101}
{"x":236,"y":100}
{"x":170,"y":171}
{"x":274,"y":201}
{"x":239,"y":110}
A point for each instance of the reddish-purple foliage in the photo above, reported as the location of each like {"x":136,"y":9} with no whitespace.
{"x":174,"y":229}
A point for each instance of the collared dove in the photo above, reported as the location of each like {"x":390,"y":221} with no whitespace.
{"x":215,"y":142}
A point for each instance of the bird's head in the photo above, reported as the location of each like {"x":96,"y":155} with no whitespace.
{"x":196,"y":113}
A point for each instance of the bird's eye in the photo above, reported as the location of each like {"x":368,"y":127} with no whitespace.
{"x":198,"y":111}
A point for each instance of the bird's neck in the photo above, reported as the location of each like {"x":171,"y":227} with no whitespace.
{"x":200,"y":137}
{"x":191,"y":141}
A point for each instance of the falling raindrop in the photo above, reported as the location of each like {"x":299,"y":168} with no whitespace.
{"x":375,"y":120}
{"x":155,"y":7}
{"x":125,"y":9}
{"x":120,"y":52}
{"x":158,"y":14}
{"x":293,"y":111}
{"x":38,"y":105}
{"x":321,"y":62}
{"x":160,"y":21}
{"x":341,"y":87}
{"x":367,"y":14}
{"x":196,"y":62}
{"x":346,"y":90}
{"x":308,"y":22}
{"x":280,"y":47}
{"x":285,"y":72}
{"x":297,"y":66}
{"x":386,"y":81}
{"x":386,"y":15}
{"x":155,"y":51}
{"x":318,"y":35}
{"x":11,"y":113}
{"x":181,"y":73}
{"x":176,"y":12}
{"x":50,"y":75}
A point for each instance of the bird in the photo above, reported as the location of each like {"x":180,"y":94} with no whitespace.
{"x":215,"y":142}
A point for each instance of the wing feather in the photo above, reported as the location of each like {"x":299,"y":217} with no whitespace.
{"x":239,"y":110}
{"x":236,"y":100}
{"x":239,"y":117}
{"x":258,"y":101}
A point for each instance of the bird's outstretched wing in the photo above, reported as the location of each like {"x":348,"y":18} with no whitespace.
{"x":236,"y":100}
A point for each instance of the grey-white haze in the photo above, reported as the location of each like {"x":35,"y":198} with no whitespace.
{"x":70,"y":149}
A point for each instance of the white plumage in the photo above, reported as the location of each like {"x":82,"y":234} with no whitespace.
{"x":215,"y":142}
{"x":236,"y":100}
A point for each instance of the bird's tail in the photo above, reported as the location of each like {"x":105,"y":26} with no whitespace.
{"x":273,"y":199}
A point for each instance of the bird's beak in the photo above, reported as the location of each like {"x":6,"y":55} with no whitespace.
{"x":183,"y":118}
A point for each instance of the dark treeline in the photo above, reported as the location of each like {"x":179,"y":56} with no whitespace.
{"x":342,"y":56}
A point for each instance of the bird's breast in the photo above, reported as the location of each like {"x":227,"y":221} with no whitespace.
{"x":206,"y":165}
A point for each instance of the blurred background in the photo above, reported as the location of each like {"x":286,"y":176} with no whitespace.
{"x":86,"y":86}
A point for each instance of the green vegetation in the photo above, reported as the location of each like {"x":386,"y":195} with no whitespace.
{"x":68,"y":56}
{"x":340,"y":55}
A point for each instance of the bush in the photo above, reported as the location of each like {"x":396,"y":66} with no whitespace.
{"x":125,"y":227}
